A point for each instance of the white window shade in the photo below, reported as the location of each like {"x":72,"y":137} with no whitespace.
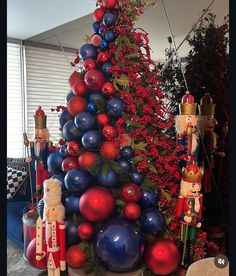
{"x":15,"y":146}
{"x":47,"y":73}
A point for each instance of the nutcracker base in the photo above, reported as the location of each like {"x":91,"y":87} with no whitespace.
{"x":79,"y":272}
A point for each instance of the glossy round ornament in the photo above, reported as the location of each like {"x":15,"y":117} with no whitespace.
{"x":54,"y":162}
{"x":73,"y":148}
{"x":119,"y":245}
{"x":103,"y":44}
{"x":89,"y":64}
{"x":103,"y":119}
{"x":125,"y":165}
{"x":65,"y":117}
{"x":109,"y":36}
{"x":98,"y":100}
{"x":64,"y":151}
{"x":96,"y":26}
{"x":85,"y":121}
{"x":71,"y":233}
{"x":88,"y":51}
{"x":132,"y":211}
{"x":152,"y":221}
{"x":75,"y":256}
{"x":94,"y":79}
{"x":101,"y":31}
{"x":74,"y":78}
{"x":91,"y":139}
{"x":87,"y":159}
{"x":106,"y":68}
{"x":71,"y":204}
{"x":131,"y":192}
{"x":77,"y":181}
{"x":91,"y":108}
{"x":109,"y":19}
{"x":136,"y":177}
{"x":115,"y":107}
{"x":69,"y":96}
{"x":86,"y":230}
{"x":31,"y":256}
{"x":76,"y":105}
{"x":162,"y":256}
{"x":98,"y":14}
{"x":79,"y":88}
{"x":70,"y":131}
{"x":95,"y":40}
{"x":127,"y":152}
{"x":108,"y":180}
{"x":103,"y":57}
{"x":108,"y":4}
{"x":96,"y":204}
{"x":109,"y":150}
{"x":149,"y":199}
{"x":109,"y":133}
{"x":108,"y":89}
{"x":69,"y":163}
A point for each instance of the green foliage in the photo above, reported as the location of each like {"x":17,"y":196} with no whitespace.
{"x":148,"y":184}
{"x":141,"y":146}
{"x":147,"y":272}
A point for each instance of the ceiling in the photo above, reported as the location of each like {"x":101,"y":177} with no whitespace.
{"x":66,"y":23}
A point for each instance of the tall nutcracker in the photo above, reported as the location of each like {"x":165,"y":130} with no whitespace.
{"x":50,"y":232}
{"x":189,"y":208}
{"x":185,"y":125}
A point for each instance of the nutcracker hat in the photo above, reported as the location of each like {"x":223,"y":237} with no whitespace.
{"x":192,"y":173}
{"x":206,"y":106}
{"x":187,"y":106}
{"x":40,"y":118}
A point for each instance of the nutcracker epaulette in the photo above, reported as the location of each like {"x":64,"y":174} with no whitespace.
{"x":62,"y":225}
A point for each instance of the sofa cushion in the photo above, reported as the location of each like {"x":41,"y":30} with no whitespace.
{"x":15,"y":179}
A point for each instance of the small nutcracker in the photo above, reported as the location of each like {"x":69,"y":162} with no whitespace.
{"x":185,"y":125}
{"x":189,"y":208}
{"x":50,"y":232}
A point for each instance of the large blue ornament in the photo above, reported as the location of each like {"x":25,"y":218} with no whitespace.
{"x":106,"y":67}
{"x":72,"y":204}
{"x":70,"y":131}
{"x":40,"y":208}
{"x":115,"y":107}
{"x":77,"y":181}
{"x":119,"y":245}
{"x":152,"y":221}
{"x":97,"y":99}
{"x":91,"y":139}
{"x":88,"y":51}
{"x":149,"y":199}
{"x":72,"y":237}
{"x":69,"y":96}
{"x":109,"y":19}
{"x":109,"y":180}
{"x":104,"y":44}
{"x":96,"y":26}
{"x":64,"y":117}
{"x":60,"y":177}
{"x":91,"y":108}
{"x":127,"y":152}
{"x":136,"y":177}
{"x":110,"y":36}
{"x":64,"y":151}
{"x":125,"y":165}
{"x":54,"y":162}
{"x":85,"y":121}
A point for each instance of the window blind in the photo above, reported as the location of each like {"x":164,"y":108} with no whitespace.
{"x":15,"y":146}
{"x":47,"y":73}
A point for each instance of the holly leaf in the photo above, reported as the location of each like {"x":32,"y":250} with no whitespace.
{"x":137,"y":159}
{"x":152,"y":168}
{"x":148,"y":184}
{"x":140,"y":146}
{"x":120,"y":203}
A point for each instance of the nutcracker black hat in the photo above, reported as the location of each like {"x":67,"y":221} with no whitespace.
{"x":40,"y":119}
{"x":206,"y":107}
{"x":187,"y":106}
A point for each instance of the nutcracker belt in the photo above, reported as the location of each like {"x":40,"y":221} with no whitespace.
{"x":54,"y":249}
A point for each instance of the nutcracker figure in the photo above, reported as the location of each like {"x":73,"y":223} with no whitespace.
{"x":189,"y":208}
{"x":209,"y":139}
{"x":185,"y":125}
{"x":50,"y":232}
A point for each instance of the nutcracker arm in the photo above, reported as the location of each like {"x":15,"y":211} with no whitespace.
{"x":40,"y":253}
{"x":62,"y":231}
{"x":180,"y":205}
{"x":200,"y":211}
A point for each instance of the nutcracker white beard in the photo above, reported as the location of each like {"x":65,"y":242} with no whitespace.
{"x":194,"y":142}
{"x":186,"y":190}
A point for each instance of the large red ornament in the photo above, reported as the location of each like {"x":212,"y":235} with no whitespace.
{"x":98,"y":14}
{"x":96,"y":204}
{"x":73,"y":148}
{"x":109,"y":150}
{"x":131,"y":192}
{"x":162,"y":256}
{"x":31,"y":254}
{"x":94,"y":79}
{"x":132,"y":211}
{"x":69,"y":163}
{"x":89,"y":64}
{"x":103,"y":119}
{"x":76,"y":105}
{"x":108,"y":89}
{"x":108,"y":4}
{"x":109,"y":132}
{"x":86,"y":231}
{"x":79,"y":88}
{"x":95,"y":40}
{"x":74,"y":78}
{"x":75,"y":256}
{"x":87,"y":159}
{"x":102,"y":57}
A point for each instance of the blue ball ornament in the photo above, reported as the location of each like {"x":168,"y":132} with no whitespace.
{"x":125,"y":165}
{"x":60,"y":177}
{"x":64,"y":117}
{"x":72,"y":237}
{"x":110,"y":36}
{"x":119,"y":245}
{"x":70,"y":131}
{"x":77,"y":181}
{"x":40,"y":208}
{"x":149,"y":199}
{"x":91,"y":108}
{"x":152,"y":221}
{"x":88,"y":51}
{"x":64,"y":151}
{"x":105,"y":68}
{"x":127,"y":152}
{"x":69,"y":96}
{"x":101,"y":31}
{"x":85,"y":121}
{"x":104,"y":44}
{"x":71,"y":204}
{"x":97,"y":98}
{"x":91,"y":139}
{"x":115,"y":107}
{"x":136,"y":177}
{"x":108,"y":180}
{"x":109,"y":19}
{"x":96,"y":26}
{"x":54,"y":162}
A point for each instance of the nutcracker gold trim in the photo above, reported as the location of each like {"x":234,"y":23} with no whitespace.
{"x":40,"y":121}
{"x":190,"y":176}
{"x":188,"y":109}
{"x":206,"y":109}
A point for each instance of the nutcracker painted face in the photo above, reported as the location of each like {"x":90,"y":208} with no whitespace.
{"x":41,"y":135}
{"x":190,"y":189}
{"x":206,"y":122}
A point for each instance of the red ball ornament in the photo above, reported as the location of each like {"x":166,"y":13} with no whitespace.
{"x":86,"y":231}
{"x":132,"y":211}
{"x":102,"y":57}
{"x":108,"y":4}
{"x":109,"y":132}
{"x":131,"y":192}
{"x":87,"y":159}
{"x":98,"y":14}
{"x":75,"y":256}
{"x":108,"y":89}
{"x":89,"y":64}
{"x":96,"y":204}
{"x":95,"y":40}
{"x":74,"y":78}
{"x":69,"y":163}
{"x":109,"y":150}
{"x":103,"y":119}
{"x":79,"y":88}
{"x":31,"y":254}
{"x":73,"y":148}
{"x":76,"y":105}
{"x":162,"y":256}
{"x":94,"y":79}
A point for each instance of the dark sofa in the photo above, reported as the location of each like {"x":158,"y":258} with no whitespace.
{"x":19,"y":204}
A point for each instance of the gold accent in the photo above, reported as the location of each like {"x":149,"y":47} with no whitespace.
{"x":206,"y":109}
{"x":191,"y":176}
{"x":40,"y":122}
{"x":188,"y":109}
